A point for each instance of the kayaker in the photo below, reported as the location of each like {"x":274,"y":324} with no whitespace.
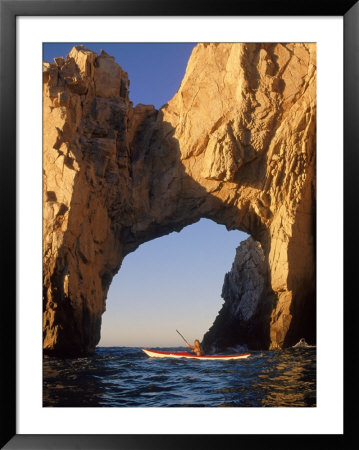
{"x":197,"y":349}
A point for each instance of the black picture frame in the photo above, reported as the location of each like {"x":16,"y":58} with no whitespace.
{"x":9,"y":10}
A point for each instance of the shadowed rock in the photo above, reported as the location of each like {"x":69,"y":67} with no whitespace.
{"x":236,"y":144}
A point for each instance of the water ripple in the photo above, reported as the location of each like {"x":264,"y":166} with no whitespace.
{"x":126,"y":377}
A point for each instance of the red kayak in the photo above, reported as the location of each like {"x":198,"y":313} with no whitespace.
{"x":158,"y":354}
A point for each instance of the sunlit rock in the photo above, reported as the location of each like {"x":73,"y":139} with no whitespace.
{"x":236,"y":144}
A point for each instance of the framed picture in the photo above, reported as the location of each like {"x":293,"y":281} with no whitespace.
{"x":25,"y":27}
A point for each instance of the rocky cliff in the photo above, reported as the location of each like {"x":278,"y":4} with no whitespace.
{"x":236,"y":144}
{"x":244,"y":319}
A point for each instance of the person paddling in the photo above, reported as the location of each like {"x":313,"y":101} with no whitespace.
{"x":197,"y":349}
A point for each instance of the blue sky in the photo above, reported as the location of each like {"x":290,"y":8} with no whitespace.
{"x":155,"y":70}
{"x":173,"y":282}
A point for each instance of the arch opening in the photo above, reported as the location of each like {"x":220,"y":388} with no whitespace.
{"x":172,"y":282}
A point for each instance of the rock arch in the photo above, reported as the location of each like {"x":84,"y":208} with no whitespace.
{"x":236,"y":144}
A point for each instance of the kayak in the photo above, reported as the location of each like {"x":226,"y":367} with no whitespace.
{"x":158,"y":354}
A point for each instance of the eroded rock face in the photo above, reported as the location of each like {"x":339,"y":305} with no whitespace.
{"x":236,"y":145}
{"x":244,"y":318}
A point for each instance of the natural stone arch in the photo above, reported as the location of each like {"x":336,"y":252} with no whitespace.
{"x":236,"y":145}
{"x":171,"y":282}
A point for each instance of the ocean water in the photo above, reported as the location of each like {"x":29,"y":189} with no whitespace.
{"x":126,"y":377}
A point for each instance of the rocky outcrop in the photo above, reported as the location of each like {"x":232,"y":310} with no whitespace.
{"x":244,"y":318}
{"x":236,"y":145}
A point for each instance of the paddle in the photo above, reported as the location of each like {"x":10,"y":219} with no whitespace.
{"x":182,"y":337}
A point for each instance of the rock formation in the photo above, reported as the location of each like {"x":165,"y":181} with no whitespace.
{"x":236,"y":144}
{"x":245,"y":315}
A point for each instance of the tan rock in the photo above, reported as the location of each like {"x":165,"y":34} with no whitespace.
{"x":236,"y":144}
